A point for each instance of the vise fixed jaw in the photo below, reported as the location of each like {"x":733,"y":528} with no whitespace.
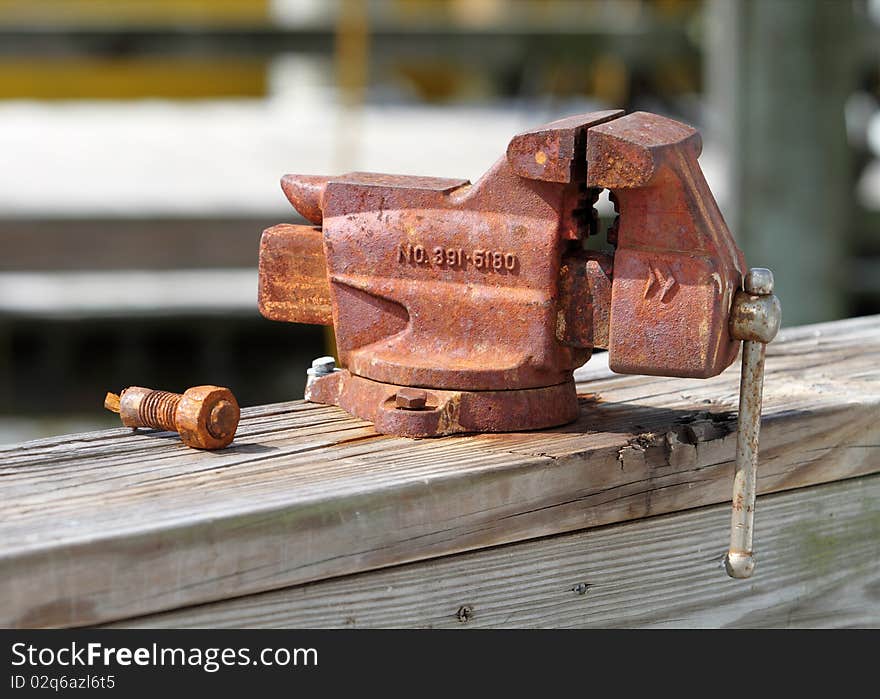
{"x":483,"y":299}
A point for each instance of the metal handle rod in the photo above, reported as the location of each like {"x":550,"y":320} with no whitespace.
{"x":740,"y":562}
{"x":755,"y":320}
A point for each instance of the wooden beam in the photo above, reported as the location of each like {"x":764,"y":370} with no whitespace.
{"x":818,"y":567}
{"x":135,"y":243}
{"x":111,"y":524}
{"x":639,"y":43}
{"x":128,"y":293}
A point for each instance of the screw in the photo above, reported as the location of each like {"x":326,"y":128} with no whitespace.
{"x":464,"y":614}
{"x":206,"y":417}
{"x":411,"y":399}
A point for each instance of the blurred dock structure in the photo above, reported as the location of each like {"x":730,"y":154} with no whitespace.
{"x":144,"y":140}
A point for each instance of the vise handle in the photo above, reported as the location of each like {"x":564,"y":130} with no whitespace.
{"x":754,"y":319}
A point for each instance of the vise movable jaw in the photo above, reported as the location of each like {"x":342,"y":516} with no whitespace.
{"x":462,"y":307}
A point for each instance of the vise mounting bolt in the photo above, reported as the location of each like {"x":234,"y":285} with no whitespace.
{"x":462,"y":307}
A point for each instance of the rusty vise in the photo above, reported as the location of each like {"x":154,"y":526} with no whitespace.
{"x":462,"y":307}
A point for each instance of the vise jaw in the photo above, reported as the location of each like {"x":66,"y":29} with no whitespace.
{"x":483,"y":294}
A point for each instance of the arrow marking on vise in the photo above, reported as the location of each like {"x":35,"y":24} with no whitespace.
{"x":663,"y":277}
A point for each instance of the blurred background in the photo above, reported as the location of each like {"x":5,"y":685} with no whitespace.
{"x":141,"y":143}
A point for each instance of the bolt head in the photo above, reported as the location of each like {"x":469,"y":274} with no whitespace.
{"x":207,"y":417}
{"x":411,"y":399}
{"x":758,"y":281}
{"x":223,"y":419}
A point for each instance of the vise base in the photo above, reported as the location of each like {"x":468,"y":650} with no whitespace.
{"x":445,"y":412}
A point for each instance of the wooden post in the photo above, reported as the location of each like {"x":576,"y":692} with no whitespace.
{"x":778,"y":74}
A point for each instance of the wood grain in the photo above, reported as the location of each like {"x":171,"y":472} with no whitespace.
{"x":111,"y":525}
{"x":818,"y":567}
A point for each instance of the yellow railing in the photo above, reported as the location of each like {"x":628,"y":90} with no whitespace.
{"x":133,"y":12}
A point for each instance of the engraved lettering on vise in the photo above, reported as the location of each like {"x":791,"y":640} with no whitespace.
{"x":457,"y":258}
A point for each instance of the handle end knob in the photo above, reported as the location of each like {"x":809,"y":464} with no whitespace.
{"x":739,"y":564}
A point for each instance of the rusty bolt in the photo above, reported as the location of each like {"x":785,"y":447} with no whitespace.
{"x":206,"y":417}
{"x":411,"y":399}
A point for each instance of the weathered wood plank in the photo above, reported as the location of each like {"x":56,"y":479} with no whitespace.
{"x":110,"y":525}
{"x":818,"y":568}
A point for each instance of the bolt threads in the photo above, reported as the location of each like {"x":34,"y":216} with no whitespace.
{"x":157,"y":410}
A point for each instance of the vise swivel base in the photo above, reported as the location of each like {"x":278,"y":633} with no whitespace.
{"x":462,"y":307}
